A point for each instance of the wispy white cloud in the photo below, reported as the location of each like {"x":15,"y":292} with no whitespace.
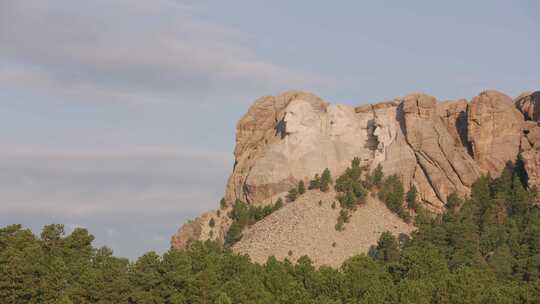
{"x":131,"y":51}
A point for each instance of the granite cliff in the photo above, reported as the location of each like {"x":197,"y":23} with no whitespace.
{"x":439,"y":147}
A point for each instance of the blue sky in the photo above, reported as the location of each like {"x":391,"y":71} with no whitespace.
{"x":119,"y":115}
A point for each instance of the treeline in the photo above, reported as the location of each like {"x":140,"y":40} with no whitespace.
{"x":357,"y":181}
{"x":243,"y":215}
{"x":484,"y":249}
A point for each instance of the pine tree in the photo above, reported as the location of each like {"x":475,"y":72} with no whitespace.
{"x":391,"y":193}
{"x":453,"y":201}
{"x":223,"y":298}
{"x":411,"y":198}
{"x":315,"y":183}
{"x":292,"y":195}
{"x":278,"y":204}
{"x":222,"y":203}
{"x":502,"y":262}
{"x":326,"y":179}
{"x":234,"y":234}
{"x":387,"y":248}
{"x":301,"y":187}
{"x":377,"y":176}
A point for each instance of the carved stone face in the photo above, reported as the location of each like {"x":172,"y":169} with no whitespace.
{"x":300,"y":116}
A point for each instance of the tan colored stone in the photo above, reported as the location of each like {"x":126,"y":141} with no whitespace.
{"x":445,"y":163}
{"x":305,"y":228}
{"x":529,"y":104}
{"x":494,"y":130}
{"x":531,"y":160}
{"x":199,"y":228}
{"x":303,"y":137}
{"x":531,"y":135}
{"x":437,"y":147}
{"x":454,"y":115}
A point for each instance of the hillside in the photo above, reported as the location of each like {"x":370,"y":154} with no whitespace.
{"x":306,"y":228}
{"x":435,"y":147}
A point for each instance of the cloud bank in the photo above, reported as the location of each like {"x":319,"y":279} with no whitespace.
{"x":137,"y":52}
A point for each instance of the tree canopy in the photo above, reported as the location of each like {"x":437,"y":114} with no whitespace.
{"x":485,"y":249}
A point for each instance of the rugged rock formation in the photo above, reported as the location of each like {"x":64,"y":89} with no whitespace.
{"x":200,"y":229}
{"x":494,"y":130}
{"x":439,"y":147}
{"x":440,"y":158}
{"x":288,"y":138}
{"x":454,"y":115}
{"x":529,"y":105}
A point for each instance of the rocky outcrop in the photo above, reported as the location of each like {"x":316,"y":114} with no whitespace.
{"x":442,"y":160}
{"x":529,"y":104}
{"x":438,"y":147}
{"x":201,"y":229}
{"x":288,"y":138}
{"x":256,"y":176}
{"x":494,"y":130}
{"x":454,"y":115}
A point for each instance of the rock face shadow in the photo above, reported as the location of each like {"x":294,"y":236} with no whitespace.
{"x":280,"y":129}
{"x":536,"y":111}
{"x":462,"y":125}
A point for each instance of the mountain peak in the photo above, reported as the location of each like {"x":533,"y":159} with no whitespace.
{"x":437,"y":148}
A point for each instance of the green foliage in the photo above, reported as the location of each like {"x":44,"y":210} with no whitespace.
{"x":59,"y":268}
{"x":243,"y":215}
{"x":411,"y":198}
{"x":234,"y":234}
{"x":349,"y":186}
{"x":377,"y":176}
{"x":292,"y":195}
{"x":223,"y":298}
{"x":453,"y":201}
{"x":483,"y":249}
{"x":301,"y":187}
{"x":347,"y":200}
{"x":222,"y":203}
{"x":343,"y":218}
{"x":391,"y":193}
{"x":387,"y":248}
{"x":279,"y":204}
{"x":326,"y":180}
{"x":350,"y":191}
{"x":322,"y":183}
{"x":315,"y":183}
